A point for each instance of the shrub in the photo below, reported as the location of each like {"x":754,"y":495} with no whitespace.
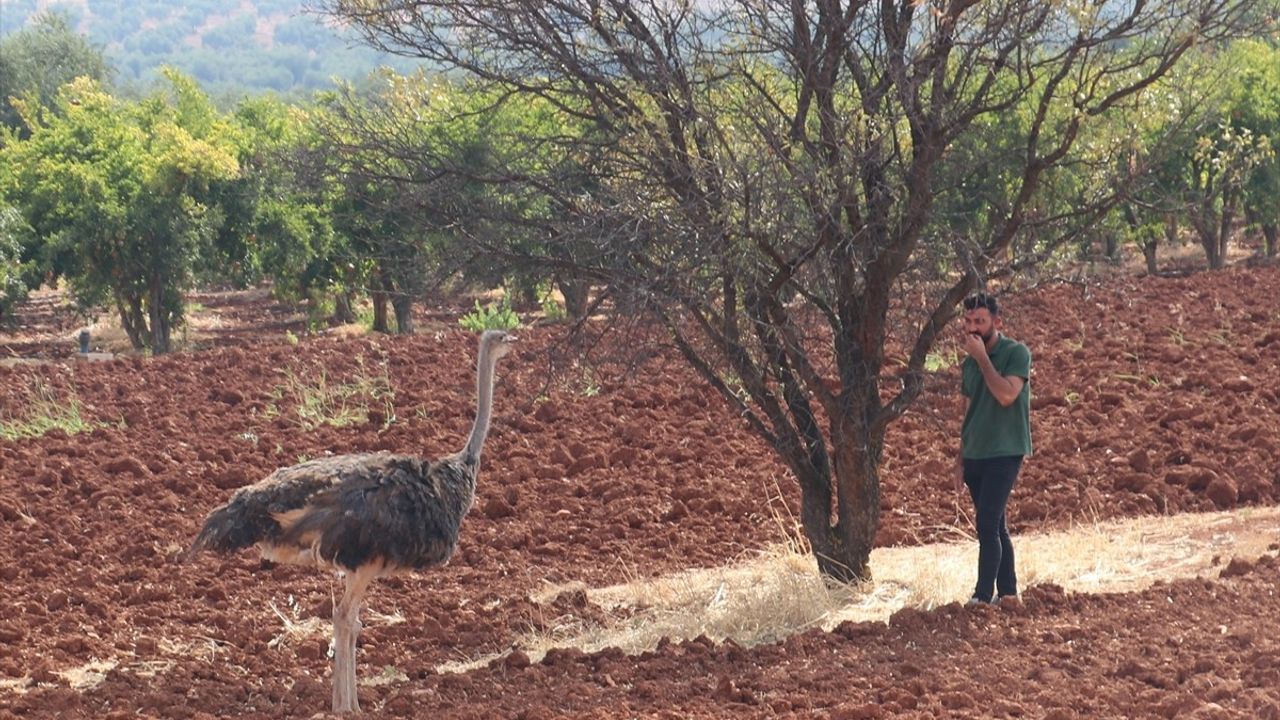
{"x":498,"y":316}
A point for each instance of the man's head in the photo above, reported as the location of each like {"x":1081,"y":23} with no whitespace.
{"x":982,"y":316}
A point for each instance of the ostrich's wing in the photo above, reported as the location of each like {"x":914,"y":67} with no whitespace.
{"x":403,"y":514}
{"x":249,"y":517}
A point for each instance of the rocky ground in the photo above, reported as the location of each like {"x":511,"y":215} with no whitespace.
{"x":1153,"y":396}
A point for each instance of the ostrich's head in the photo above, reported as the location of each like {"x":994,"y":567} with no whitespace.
{"x":497,"y":342}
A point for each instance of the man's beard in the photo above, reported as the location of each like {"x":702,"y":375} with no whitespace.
{"x":986,"y":339}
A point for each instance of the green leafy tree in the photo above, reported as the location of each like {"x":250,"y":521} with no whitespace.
{"x":117,"y":193}
{"x":1255,"y":91}
{"x":15,"y":274}
{"x":39,"y":59}
{"x":1217,"y":174}
{"x":1159,"y":136}
{"x":1205,"y":140}
{"x":277,"y":216}
{"x":408,"y":153}
{"x":425,"y":164}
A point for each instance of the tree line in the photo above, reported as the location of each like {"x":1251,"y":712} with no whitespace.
{"x":249,"y":47}
{"x":133,"y":202}
{"x":799,"y":194}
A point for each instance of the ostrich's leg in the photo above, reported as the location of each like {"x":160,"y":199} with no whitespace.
{"x":341,"y":661}
{"x":346,"y":628}
{"x":354,"y":624}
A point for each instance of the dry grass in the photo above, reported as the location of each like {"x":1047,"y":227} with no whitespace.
{"x":312,"y":399}
{"x":199,"y":647}
{"x":87,"y":676}
{"x":92,"y":673}
{"x":770,"y":595}
{"x":296,"y":629}
{"x":374,"y":617}
{"x":16,"y":686}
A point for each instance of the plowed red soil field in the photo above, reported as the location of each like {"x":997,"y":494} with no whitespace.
{"x":1153,"y":396}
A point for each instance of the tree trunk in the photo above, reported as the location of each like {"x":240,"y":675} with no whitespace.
{"x":1149,"y":241}
{"x":159,"y":318}
{"x":576,"y":296}
{"x":1111,"y":246}
{"x":1269,"y":239}
{"x":402,"y":304}
{"x":526,"y":292}
{"x":1207,"y":234}
{"x":380,"y":312}
{"x":131,"y":319}
{"x":1171,"y":229}
{"x":843,"y":548}
{"x":1224,"y":230}
{"x":160,"y":335}
{"x":343,"y":312}
{"x":1211,"y":252}
{"x":379,"y":297}
{"x":1210,"y":246}
{"x":1215,"y":231}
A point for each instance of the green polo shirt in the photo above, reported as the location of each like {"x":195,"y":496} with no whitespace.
{"x":990,"y":429}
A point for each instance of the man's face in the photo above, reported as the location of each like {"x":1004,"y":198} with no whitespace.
{"x":980,"y":322}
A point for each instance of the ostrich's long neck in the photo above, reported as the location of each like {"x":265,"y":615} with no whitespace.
{"x":484,"y":407}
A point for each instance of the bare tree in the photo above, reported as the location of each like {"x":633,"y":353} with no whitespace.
{"x":767,"y":176}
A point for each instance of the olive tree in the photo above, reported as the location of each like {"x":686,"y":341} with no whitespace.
{"x":15,"y":274}
{"x":117,"y":193}
{"x":420,"y":162}
{"x":1255,"y":83}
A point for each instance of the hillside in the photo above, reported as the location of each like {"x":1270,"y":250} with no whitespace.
{"x":232,"y":49}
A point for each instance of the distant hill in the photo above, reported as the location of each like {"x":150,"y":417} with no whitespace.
{"x":232,"y":48}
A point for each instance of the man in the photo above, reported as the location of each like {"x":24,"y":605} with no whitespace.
{"x":995,"y":437}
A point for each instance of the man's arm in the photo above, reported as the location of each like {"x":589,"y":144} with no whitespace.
{"x":1005,"y":388}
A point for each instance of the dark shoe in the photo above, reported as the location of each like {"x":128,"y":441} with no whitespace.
{"x":975,"y":601}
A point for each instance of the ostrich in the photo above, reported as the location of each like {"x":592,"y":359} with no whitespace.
{"x":367,"y":516}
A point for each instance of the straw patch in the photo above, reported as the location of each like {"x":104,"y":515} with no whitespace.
{"x":770,"y":595}
{"x":87,"y":676}
{"x":17,"y":686}
{"x":294,"y":628}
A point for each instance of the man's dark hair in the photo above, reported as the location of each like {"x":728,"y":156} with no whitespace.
{"x":982,"y":300}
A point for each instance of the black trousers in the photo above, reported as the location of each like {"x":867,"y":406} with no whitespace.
{"x":990,"y":481}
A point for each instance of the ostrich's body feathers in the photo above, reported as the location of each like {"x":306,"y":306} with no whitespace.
{"x":349,"y":511}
